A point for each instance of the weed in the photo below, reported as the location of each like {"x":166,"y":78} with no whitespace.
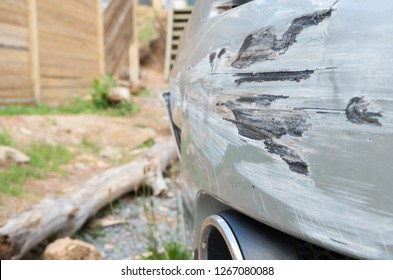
{"x":90,"y":230}
{"x":90,"y":146}
{"x":147,"y":31}
{"x":11,"y":180}
{"x":5,"y":137}
{"x":170,"y":250}
{"x":144,"y":92}
{"x":140,"y":125}
{"x":97,"y":105}
{"x":147,"y":144}
{"x":46,"y":156}
{"x":124,"y":109}
{"x":100,"y":91}
{"x":43,"y":158}
{"x":77,"y":106}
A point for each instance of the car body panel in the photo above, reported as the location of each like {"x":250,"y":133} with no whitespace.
{"x":286,"y":114}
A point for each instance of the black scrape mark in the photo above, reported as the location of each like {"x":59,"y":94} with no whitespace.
{"x":212,"y":57}
{"x":222,"y":52}
{"x":264,"y":44}
{"x":295,"y":76}
{"x":264,"y":99}
{"x":293,"y":160}
{"x":357,"y":112}
{"x":256,"y":119}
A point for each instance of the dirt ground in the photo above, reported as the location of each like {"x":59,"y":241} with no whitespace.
{"x":115,"y":140}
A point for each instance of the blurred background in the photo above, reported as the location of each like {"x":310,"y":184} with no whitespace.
{"x":80,"y":94}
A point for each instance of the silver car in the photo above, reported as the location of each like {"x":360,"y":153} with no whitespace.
{"x":283,"y":112}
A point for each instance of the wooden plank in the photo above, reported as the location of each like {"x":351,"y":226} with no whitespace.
{"x":54,"y":45}
{"x":62,"y":95}
{"x":73,"y":33}
{"x":70,"y":71}
{"x":182,"y":17}
{"x":68,"y":61}
{"x":177,"y":33}
{"x":118,"y":32}
{"x":13,"y":36}
{"x":85,"y":54}
{"x":76,"y":11}
{"x":34,"y":49}
{"x":121,"y":24}
{"x":111,"y":11}
{"x":66,"y":22}
{"x":8,"y":81}
{"x":14,"y":93}
{"x":73,"y":82}
{"x":14,"y":5}
{"x":179,"y":25}
{"x":14,"y":62}
{"x":10,"y":16}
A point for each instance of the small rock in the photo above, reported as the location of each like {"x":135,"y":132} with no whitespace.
{"x":69,"y":249}
{"x":118,"y":95}
{"x":26,"y":131}
{"x":9,"y":155}
{"x":109,"y":152}
{"x":108,"y":246}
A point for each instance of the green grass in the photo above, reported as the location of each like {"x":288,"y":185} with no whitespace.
{"x":144,"y":92}
{"x":90,"y":145}
{"x":43,"y":158}
{"x":13,"y":177}
{"x":49,"y":157}
{"x":147,"y":144}
{"x":97,"y":105}
{"x":78,"y":106}
{"x":5,"y":138}
{"x":171,"y":251}
{"x":147,"y":31}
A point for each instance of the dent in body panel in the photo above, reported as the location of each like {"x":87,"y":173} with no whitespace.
{"x":281,"y":127}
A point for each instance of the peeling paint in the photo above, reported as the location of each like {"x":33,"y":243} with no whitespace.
{"x":222,"y":52}
{"x":264,"y":44}
{"x":256,"y":119}
{"x":357,"y":112}
{"x":212,"y":57}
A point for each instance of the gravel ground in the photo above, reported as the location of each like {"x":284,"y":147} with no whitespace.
{"x":122,"y":230}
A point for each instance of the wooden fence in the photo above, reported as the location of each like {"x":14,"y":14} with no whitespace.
{"x":51,"y":50}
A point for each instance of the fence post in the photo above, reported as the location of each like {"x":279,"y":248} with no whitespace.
{"x":34,"y":49}
{"x":133,"y":50}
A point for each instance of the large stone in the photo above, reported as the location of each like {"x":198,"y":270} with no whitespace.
{"x":118,"y":95}
{"x":9,"y":156}
{"x":70,"y":249}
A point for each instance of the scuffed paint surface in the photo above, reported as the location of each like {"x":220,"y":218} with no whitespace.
{"x":286,"y":114}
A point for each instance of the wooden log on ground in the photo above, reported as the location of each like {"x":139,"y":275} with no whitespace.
{"x":63,"y":216}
